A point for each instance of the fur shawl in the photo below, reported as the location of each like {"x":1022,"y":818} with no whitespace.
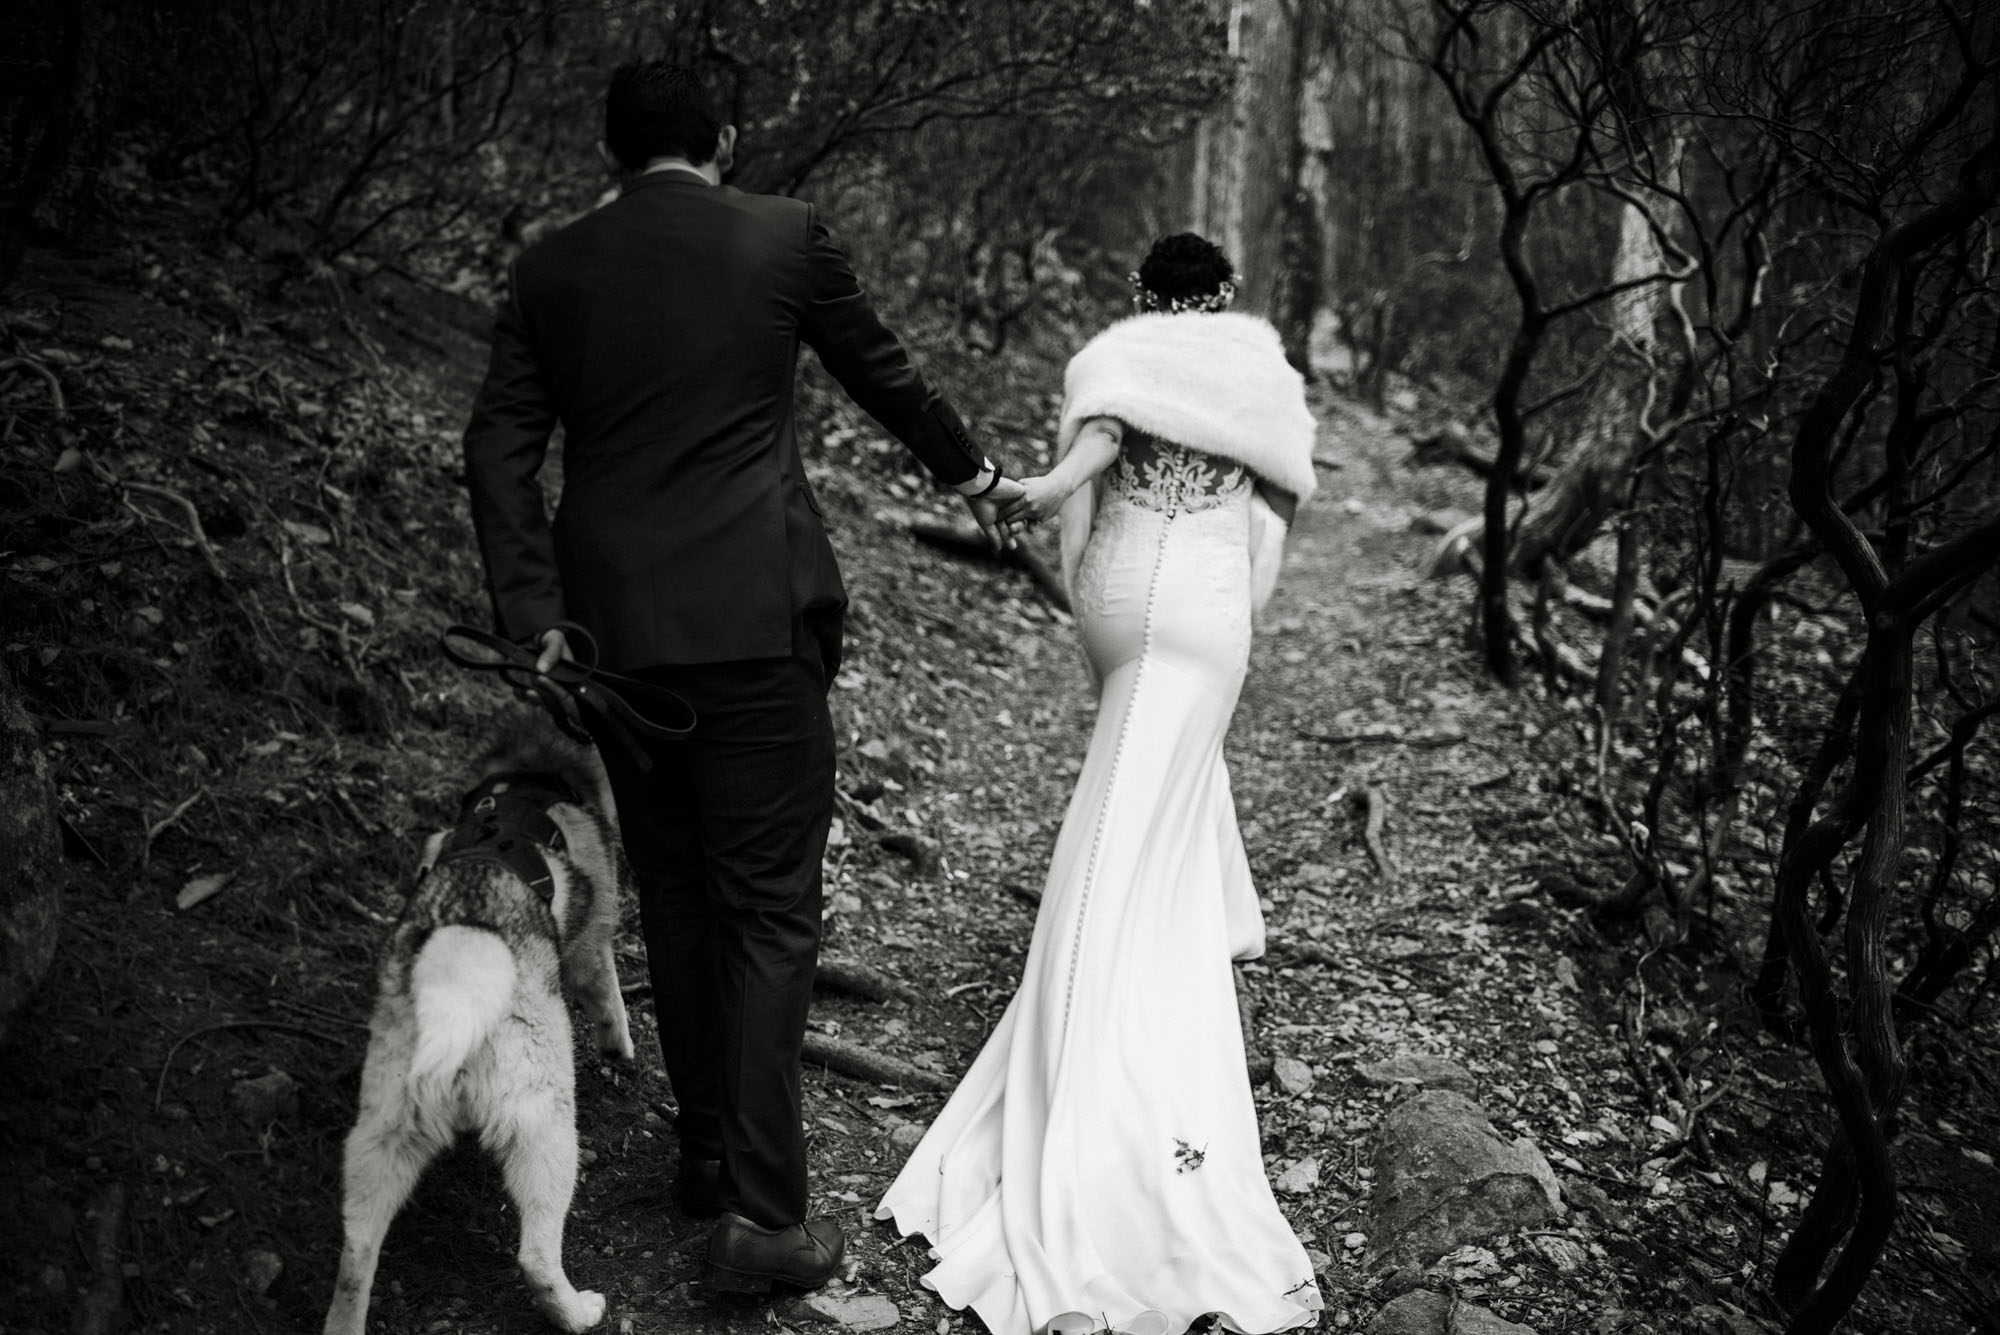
{"x":1216,"y":383}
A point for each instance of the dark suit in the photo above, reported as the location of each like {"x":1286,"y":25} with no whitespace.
{"x":662,"y":332}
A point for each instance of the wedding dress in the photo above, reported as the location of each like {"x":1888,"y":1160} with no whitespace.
{"x":1101,"y":1154}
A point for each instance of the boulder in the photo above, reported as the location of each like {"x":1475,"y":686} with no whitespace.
{"x":1444,"y":1178}
{"x":1418,"y":1068}
{"x":1425,"y":1313}
{"x":31,"y":867}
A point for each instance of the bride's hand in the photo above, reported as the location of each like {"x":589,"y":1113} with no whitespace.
{"x":1040,"y":499}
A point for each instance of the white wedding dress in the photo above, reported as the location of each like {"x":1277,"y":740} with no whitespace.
{"x":1101,"y":1154}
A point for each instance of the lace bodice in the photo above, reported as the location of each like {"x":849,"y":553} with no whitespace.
{"x":1157,"y":475}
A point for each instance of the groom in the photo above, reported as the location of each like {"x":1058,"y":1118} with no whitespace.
{"x":661,"y":333}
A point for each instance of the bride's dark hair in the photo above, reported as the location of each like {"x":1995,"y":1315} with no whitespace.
{"x":1184,"y":272}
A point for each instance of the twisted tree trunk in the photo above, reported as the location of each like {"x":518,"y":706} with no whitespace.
{"x":1853,"y":1037}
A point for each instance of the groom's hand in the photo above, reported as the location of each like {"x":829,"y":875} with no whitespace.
{"x":986,"y":513}
{"x":554,"y":649}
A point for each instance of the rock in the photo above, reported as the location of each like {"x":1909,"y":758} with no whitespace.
{"x":855,"y":1311}
{"x":1466,"y":1265}
{"x":1427,"y":1313}
{"x":1589,"y":1196}
{"x":261,"y":1270}
{"x":906,"y":1135}
{"x":265,"y":1099}
{"x":31,"y":866}
{"x":1565,"y":1254}
{"x":1444,"y":1178}
{"x":1418,"y":1068}
{"x":1300,"y":1178}
{"x":1293,"y":1076}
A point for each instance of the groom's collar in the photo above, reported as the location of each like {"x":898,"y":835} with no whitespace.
{"x":670,"y":175}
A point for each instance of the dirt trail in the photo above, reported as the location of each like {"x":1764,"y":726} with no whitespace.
{"x":1356,"y":644}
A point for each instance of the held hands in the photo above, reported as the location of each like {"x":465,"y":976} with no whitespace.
{"x":1040,"y":499}
{"x":987,"y":512}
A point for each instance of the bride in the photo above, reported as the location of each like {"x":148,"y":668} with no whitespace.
{"x":1099,"y":1164}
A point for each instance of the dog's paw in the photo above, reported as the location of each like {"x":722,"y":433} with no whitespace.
{"x":584,"y":1310}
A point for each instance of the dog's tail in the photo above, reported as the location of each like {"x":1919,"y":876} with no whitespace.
{"x":463,"y":984}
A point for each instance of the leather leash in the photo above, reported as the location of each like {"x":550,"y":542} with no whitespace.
{"x":578,"y":694}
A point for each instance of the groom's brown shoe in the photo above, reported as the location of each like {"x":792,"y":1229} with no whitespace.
{"x":744,"y":1257}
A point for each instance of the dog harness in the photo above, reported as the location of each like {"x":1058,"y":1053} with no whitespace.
{"x":506,"y":820}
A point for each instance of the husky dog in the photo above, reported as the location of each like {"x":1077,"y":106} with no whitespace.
{"x":470,"y":1032}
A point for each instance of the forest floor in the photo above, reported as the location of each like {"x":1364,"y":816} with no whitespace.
{"x":202,"y":728}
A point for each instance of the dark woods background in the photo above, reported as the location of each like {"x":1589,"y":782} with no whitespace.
{"x":962,"y":139}
{"x":1703,"y":289}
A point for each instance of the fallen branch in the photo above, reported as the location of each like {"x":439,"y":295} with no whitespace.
{"x":851,"y":1059}
{"x":1434,"y":737}
{"x":926,"y":855}
{"x":848,"y":977}
{"x":1258,"y":1062}
{"x":167,"y":1066}
{"x":1377,"y":798}
{"x":165,"y":823}
{"x":966,"y":540}
{"x":1457,"y":551}
{"x":97,"y":1313}
{"x":1598,"y":608}
{"x":1454,"y":445}
{"x":195,"y":529}
{"x":859,"y":810}
{"x":1027,"y":894}
{"x":855,"y":979}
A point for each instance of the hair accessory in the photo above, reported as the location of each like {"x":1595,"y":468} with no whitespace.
{"x":1145,"y":299}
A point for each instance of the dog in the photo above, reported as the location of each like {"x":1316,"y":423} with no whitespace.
{"x":470,"y":1031}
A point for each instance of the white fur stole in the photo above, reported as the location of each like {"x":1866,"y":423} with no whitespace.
{"x":1218,"y":383}
{"x":1215,"y":383}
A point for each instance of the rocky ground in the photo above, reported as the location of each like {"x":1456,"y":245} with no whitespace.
{"x":1479,"y":1106}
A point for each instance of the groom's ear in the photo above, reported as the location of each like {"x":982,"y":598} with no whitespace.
{"x":725,"y":149}
{"x":608,"y":158}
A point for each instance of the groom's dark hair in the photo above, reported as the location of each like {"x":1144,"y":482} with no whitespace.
{"x":657,"y":109}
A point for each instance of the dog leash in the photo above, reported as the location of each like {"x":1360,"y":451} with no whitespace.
{"x":622,"y":706}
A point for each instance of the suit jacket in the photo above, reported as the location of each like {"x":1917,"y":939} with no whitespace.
{"x":662,"y":331}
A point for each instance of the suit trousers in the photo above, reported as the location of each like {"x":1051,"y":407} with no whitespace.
{"x":725,"y":836}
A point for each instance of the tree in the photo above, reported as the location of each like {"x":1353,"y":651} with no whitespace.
{"x":1800,"y":288}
